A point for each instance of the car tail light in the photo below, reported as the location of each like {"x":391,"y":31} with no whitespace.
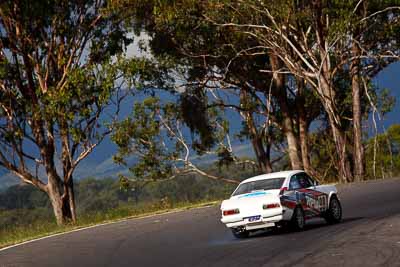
{"x":283,"y":189}
{"x":230,"y":212}
{"x":271,"y":206}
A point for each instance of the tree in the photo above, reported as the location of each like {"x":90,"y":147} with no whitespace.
{"x":315,"y":40}
{"x":328,"y":49}
{"x":383,"y":151}
{"x":156,"y":136}
{"x":216,"y":58}
{"x":374,"y":34}
{"x":58,"y":73}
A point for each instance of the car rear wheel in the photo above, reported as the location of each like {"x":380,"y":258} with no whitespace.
{"x":298,"y":221}
{"x":334,"y":212}
{"x":240,"y":233}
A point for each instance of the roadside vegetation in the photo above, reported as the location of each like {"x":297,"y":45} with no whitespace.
{"x":26,"y":213}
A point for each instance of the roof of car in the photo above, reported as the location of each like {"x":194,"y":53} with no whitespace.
{"x":282,"y":174}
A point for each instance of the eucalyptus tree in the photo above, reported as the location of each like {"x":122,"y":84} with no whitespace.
{"x":58,"y":74}
{"x":375,"y":35}
{"x":331,"y":49}
{"x":161,"y":145}
{"x":316,"y":40}
{"x":214,"y":58}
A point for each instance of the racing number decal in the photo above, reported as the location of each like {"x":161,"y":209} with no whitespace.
{"x":311,"y":202}
{"x":323,"y":202}
{"x":319,"y":204}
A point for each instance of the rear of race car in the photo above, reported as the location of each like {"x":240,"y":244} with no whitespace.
{"x":252,"y":211}
{"x":270,"y":200}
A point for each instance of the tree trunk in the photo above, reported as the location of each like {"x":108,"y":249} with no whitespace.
{"x":136,"y":196}
{"x":303,"y":128}
{"x":68,"y":196}
{"x":359,"y":167}
{"x":262,"y":154}
{"x":263,"y":160}
{"x":68,"y":200}
{"x":53,"y":191}
{"x":292,"y":145}
{"x":72,"y":205}
{"x":288,"y":117}
{"x":339,"y":136}
{"x":61,"y":203}
{"x":340,"y":144}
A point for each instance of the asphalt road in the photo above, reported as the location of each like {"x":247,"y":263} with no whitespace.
{"x":368,"y":236}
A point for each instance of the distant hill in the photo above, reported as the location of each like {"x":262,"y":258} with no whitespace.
{"x":107,"y":168}
{"x":90,"y":168}
{"x":99,"y":164}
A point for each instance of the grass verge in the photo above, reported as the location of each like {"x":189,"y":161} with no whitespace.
{"x":12,"y":235}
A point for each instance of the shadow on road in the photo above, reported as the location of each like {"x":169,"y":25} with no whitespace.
{"x":282,"y":231}
{"x":313,"y":224}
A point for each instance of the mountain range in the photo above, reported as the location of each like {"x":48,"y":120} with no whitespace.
{"x":99,"y":164}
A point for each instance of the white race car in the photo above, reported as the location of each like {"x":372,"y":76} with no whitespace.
{"x":277,"y":198}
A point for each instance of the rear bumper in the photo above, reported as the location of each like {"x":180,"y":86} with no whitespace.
{"x":265,"y":222}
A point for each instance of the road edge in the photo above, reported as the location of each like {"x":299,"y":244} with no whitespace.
{"x":177,"y":210}
{"x":138,"y":217}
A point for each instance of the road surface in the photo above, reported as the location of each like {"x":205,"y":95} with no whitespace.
{"x":368,"y":236}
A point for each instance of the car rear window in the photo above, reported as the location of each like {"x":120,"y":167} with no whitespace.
{"x":266,"y":184}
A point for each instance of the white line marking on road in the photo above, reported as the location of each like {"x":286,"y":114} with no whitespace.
{"x":102,"y":224}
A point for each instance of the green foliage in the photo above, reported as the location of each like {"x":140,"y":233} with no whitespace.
{"x":62,"y":65}
{"x":141,"y":134}
{"x":230,"y":43}
{"x":22,"y":197}
{"x":194,"y":112}
{"x":383,"y":154}
{"x":384,"y":150}
{"x":322,"y":155}
{"x":212,"y":58}
{"x":385,"y":101}
{"x":160,"y":135}
{"x":25,"y":211}
{"x":55,"y":85}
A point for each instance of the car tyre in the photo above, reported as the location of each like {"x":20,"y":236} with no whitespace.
{"x":298,"y":219}
{"x":334,"y":212}
{"x":240,"y":233}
